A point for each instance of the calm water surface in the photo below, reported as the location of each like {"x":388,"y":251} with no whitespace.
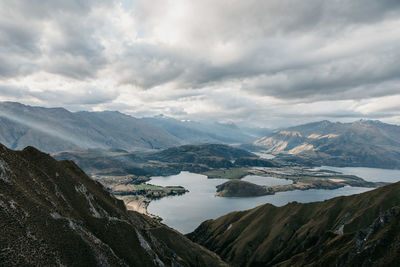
{"x":187,"y":211}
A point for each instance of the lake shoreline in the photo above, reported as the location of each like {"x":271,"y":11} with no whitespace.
{"x":136,"y":203}
{"x":185,"y":212}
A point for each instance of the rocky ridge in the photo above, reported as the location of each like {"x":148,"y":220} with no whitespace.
{"x":52,"y":213}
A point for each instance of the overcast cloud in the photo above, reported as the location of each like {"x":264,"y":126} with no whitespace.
{"x":268,"y":63}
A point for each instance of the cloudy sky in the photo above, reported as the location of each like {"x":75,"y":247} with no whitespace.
{"x":269,"y":63}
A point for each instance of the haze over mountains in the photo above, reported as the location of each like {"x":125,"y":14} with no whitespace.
{"x":361,"y":143}
{"x":212,"y":132}
{"x":57,"y":129}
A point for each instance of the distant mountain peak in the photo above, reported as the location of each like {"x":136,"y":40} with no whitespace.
{"x":367,"y":143}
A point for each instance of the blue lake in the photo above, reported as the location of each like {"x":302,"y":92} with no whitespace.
{"x":184,"y":213}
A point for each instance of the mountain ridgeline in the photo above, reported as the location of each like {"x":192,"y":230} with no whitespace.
{"x":357,"y":230}
{"x":361,"y":143}
{"x":52,"y":213}
{"x":56,"y":129}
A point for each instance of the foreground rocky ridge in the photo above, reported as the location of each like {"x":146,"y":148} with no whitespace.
{"x":358,"y":230}
{"x":52,"y":213}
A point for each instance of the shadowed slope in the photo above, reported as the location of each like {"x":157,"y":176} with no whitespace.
{"x":52,"y":213}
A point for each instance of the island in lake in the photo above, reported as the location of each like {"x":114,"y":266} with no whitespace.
{"x":127,"y":174}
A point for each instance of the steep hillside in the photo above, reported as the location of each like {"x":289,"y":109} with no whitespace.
{"x":56,"y":129}
{"x":361,"y":143}
{"x":53,"y":214}
{"x":358,"y":230}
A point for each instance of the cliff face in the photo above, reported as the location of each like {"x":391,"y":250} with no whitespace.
{"x":52,"y":213}
{"x":356,"y":230}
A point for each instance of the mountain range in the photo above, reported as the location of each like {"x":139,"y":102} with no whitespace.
{"x":57,"y":129}
{"x":361,"y":143}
